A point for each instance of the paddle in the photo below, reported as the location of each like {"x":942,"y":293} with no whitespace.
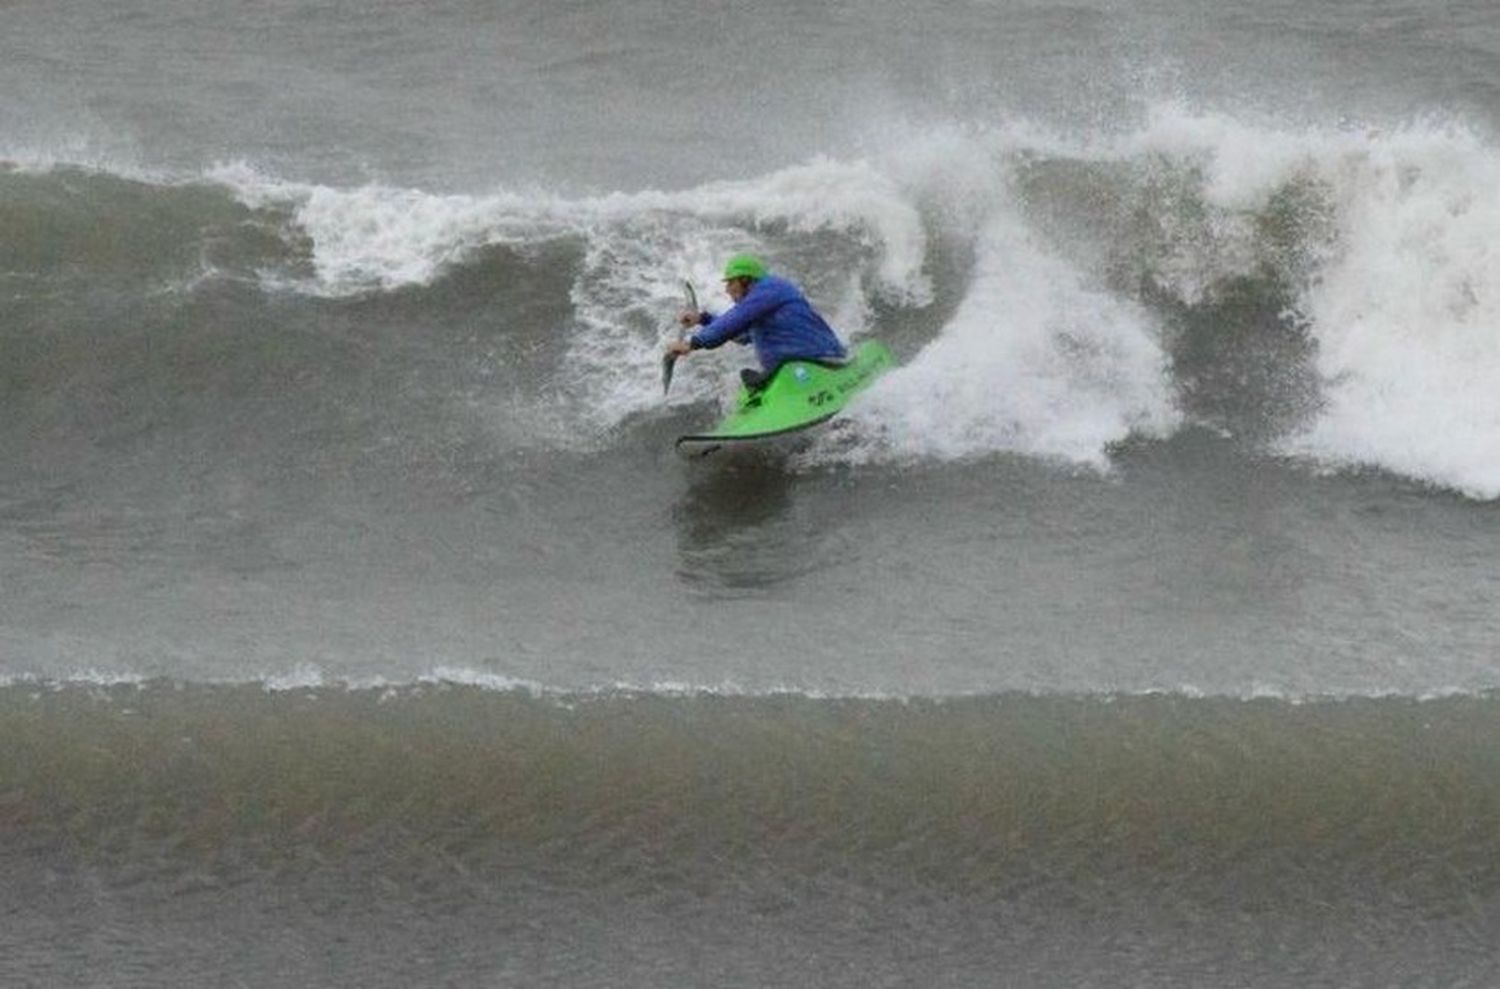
{"x":669,"y":360}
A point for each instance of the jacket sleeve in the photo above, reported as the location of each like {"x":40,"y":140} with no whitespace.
{"x":704,"y":318}
{"x":729,"y":325}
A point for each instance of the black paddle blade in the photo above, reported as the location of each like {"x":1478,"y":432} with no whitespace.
{"x":668,"y":363}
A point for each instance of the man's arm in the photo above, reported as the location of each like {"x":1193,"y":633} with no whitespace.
{"x":764,"y":298}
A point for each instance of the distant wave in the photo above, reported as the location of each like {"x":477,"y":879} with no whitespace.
{"x":120,"y":685}
{"x":988,"y":796}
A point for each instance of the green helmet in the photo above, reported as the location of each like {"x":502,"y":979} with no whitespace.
{"x":744,"y":266}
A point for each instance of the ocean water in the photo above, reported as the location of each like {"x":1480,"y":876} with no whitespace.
{"x":360,"y":627}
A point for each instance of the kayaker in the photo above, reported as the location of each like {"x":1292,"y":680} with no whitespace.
{"x":769,"y":312}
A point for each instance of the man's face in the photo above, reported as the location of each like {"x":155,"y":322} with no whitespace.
{"x":736,"y":287}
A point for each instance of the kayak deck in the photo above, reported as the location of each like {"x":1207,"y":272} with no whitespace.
{"x":800,"y":394}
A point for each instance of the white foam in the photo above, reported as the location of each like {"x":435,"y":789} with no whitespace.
{"x":1035,"y":361}
{"x":102,"y":678}
{"x":378,"y":237}
{"x":1407,"y":316}
{"x":483,"y":679}
{"x":304,"y":677}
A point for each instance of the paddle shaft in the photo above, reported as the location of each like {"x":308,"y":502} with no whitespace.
{"x":669,"y":360}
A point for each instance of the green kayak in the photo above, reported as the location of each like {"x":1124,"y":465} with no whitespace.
{"x":799,"y":395}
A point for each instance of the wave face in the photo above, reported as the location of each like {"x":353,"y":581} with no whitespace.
{"x":830,"y":825}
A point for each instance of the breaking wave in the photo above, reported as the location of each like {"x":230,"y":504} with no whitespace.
{"x":1319,"y":293}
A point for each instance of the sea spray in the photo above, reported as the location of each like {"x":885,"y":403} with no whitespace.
{"x":1406,"y":316}
{"x":1034,"y":362}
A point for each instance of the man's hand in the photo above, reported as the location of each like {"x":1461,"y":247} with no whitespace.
{"x":687,"y":318}
{"x":679,"y":347}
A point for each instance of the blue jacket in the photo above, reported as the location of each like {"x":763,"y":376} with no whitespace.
{"x":780,"y":322}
